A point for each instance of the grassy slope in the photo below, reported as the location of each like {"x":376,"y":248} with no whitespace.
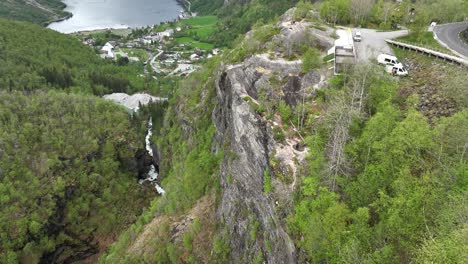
{"x":203,"y":26}
{"x":425,"y":39}
{"x":194,"y":43}
{"x":200,"y":29}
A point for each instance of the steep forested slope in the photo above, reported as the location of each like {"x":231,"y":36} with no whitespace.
{"x":386,"y":179}
{"x":35,"y":58}
{"x":69,"y":163}
{"x":36,"y":11}
{"x":68,"y":175}
{"x":181,"y":226}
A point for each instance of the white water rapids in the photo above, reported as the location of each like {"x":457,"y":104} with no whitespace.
{"x":152,"y":174}
{"x":132,"y":102}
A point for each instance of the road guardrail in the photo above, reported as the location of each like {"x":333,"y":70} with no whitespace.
{"x":429,"y":52}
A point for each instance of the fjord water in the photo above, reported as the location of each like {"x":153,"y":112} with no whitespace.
{"x":101,"y":14}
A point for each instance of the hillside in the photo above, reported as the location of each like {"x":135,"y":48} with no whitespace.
{"x":238,"y":16}
{"x":69,"y":176}
{"x":265,"y":155}
{"x":35,"y":58}
{"x":36,"y":11}
{"x":69,"y":161}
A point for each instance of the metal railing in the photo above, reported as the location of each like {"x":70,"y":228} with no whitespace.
{"x":430,"y":52}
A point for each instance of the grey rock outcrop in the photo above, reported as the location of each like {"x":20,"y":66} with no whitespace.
{"x":252,"y":225}
{"x":303,"y":32}
{"x":245,"y":208}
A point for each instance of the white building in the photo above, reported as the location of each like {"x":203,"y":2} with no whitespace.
{"x":107,"y":51}
{"x":345,"y":54}
{"x":194,"y":57}
{"x":165,"y":33}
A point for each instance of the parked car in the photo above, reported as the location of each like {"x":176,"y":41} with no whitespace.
{"x":397,"y":69}
{"x":357,"y":36}
{"x":387,"y":59}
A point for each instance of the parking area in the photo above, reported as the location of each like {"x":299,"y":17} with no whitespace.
{"x":373,"y":43}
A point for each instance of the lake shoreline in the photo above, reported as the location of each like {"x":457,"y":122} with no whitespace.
{"x":184,"y":4}
{"x":60,"y":19}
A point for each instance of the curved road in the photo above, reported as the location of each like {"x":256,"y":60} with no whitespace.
{"x":449,"y":36}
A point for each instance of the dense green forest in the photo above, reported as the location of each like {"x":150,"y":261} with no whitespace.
{"x":35,"y":11}
{"x":68,"y":175}
{"x":399,"y":193}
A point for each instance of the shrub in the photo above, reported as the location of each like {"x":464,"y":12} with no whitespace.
{"x":310,"y":60}
{"x":267,"y":186}
{"x":278,"y":134}
{"x":302,"y":10}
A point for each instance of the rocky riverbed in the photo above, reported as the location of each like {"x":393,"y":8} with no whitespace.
{"x":133,"y":102}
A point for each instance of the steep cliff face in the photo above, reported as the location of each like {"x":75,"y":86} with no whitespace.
{"x":245,"y":208}
{"x":249,"y":212}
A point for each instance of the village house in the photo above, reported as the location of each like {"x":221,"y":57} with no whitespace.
{"x":146,"y":41}
{"x":107,"y":51}
{"x":88,"y":41}
{"x":165,"y":33}
{"x":194,"y":57}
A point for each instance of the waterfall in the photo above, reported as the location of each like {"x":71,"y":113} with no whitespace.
{"x":152,"y":174}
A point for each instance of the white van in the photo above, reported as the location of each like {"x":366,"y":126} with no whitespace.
{"x":387,"y":59}
{"x":397,"y":69}
{"x":357,"y":36}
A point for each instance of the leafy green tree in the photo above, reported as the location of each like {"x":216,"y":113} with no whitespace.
{"x":303,"y":9}
{"x":335,"y":11}
{"x":310,"y":60}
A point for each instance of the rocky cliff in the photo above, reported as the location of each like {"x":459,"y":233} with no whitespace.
{"x":259,"y":172}
{"x":250,"y":214}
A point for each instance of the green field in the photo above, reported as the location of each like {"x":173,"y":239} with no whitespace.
{"x":194,"y":43}
{"x":200,"y":21}
{"x":141,"y":54}
{"x":203,"y":26}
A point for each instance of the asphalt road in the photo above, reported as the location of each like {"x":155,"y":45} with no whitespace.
{"x":448,"y":35}
{"x":373,"y":43}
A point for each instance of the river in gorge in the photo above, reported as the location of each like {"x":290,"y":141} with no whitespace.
{"x":152,"y":174}
{"x":132,"y":103}
{"x":102,"y":14}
